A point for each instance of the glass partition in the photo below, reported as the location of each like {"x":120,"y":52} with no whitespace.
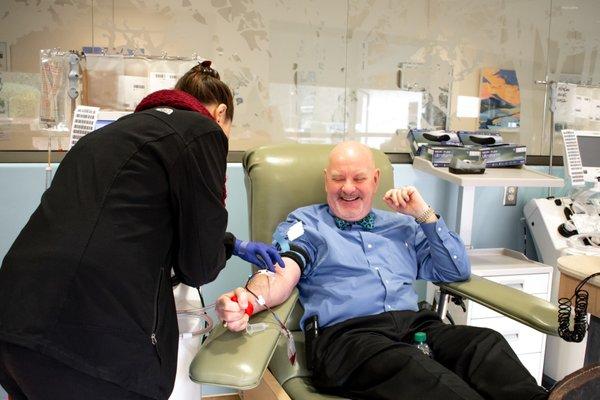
{"x":322,"y":71}
{"x":574,"y":67}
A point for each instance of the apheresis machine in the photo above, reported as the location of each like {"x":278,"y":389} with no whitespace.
{"x":570,"y":226}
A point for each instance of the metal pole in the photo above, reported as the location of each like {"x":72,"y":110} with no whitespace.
{"x":545,"y":83}
{"x":546,"y":94}
{"x":553,"y":93}
{"x":442,"y":306}
{"x":464,"y":220}
{"x":449,"y":105}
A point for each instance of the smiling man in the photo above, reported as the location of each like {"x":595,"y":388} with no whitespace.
{"x":349,"y":185}
{"x":354,"y":267}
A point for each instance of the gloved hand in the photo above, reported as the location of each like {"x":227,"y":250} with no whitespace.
{"x":260,"y":254}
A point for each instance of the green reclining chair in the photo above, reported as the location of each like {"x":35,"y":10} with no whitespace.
{"x":279,"y":179}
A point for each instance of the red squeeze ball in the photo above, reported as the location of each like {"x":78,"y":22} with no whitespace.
{"x":249,"y":309}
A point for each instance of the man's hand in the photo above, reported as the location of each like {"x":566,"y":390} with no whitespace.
{"x":273,"y":288}
{"x":406,"y":200}
{"x":233,"y":313}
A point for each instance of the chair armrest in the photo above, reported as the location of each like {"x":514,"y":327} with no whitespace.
{"x":532,"y":311}
{"x":236,"y":359}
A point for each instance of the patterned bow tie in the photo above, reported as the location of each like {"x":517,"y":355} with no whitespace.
{"x":367,"y":223}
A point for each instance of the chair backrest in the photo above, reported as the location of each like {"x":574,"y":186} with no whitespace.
{"x":281,"y":178}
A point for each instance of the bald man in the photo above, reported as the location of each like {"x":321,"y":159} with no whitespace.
{"x":355,"y":267}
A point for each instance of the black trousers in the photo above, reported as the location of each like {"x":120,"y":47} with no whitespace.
{"x":28,"y":375}
{"x":373,"y":358}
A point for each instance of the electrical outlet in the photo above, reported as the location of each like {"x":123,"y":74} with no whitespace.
{"x":510,"y":196}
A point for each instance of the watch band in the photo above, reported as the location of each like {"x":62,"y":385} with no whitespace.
{"x":425,"y":215}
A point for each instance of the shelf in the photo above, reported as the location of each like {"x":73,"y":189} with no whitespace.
{"x":492,"y":177}
{"x":492,"y":262}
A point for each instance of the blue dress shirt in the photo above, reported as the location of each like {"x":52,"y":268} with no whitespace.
{"x":353,"y":273}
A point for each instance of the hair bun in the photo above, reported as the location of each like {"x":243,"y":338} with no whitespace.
{"x":205,"y":69}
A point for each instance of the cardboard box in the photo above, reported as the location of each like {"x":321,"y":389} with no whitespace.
{"x":440,"y":156}
{"x":504,"y":155}
{"x":417,"y":140}
{"x":493,"y":149}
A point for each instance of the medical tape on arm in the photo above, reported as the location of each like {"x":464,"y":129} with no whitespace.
{"x":281,"y":242}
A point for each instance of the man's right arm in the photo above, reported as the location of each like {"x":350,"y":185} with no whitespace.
{"x":273,"y":288}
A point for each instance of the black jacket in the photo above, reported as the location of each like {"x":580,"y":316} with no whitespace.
{"x":87,"y":279}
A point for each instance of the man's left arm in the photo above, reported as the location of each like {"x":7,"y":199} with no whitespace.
{"x":441,"y":255}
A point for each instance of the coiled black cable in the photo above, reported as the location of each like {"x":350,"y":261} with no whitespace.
{"x":579,"y":320}
{"x":580,"y":323}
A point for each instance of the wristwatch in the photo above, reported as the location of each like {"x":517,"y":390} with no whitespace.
{"x":425,"y":215}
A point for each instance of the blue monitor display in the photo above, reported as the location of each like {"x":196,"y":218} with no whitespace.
{"x":108,"y":117}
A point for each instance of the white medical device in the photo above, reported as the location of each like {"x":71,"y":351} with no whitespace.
{"x":582,"y":155}
{"x":554,"y":224}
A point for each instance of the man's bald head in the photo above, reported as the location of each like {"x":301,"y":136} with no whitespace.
{"x":351,"y":180}
{"x":351,"y":152}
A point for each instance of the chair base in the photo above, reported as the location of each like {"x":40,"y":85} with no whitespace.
{"x":269,"y":389}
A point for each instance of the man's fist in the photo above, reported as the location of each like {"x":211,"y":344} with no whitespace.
{"x":406,"y":200}
{"x":233,"y":313}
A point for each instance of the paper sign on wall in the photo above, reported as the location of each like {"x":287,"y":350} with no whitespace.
{"x":565,"y":102}
{"x":582,"y":106}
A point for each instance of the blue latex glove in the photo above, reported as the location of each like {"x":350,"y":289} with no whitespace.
{"x":260,"y":254}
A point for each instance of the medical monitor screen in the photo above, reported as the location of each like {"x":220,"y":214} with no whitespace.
{"x":101,"y":123}
{"x":108,"y":117}
{"x":589,"y":149}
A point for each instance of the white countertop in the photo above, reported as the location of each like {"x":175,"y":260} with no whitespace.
{"x":580,"y":267}
{"x":492,"y":177}
{"x":499,"y":261}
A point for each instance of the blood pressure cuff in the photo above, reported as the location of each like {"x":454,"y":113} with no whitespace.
{"x":298,"y":254}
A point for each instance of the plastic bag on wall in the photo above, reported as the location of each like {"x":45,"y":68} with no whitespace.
{"x":133,"y":85}
{"x":102,"y":76}
{"x":54,"y":101}
{"x":119,"y":82}
{"x":162,"y":74}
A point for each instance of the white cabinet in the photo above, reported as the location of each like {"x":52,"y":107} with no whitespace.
{"x":512,"y":269}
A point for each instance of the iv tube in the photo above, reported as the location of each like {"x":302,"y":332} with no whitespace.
{"x":49,"y":166}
